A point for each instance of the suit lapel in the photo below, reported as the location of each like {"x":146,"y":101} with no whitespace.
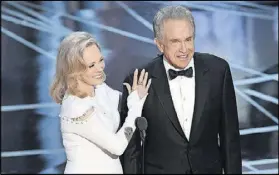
{"x":201,"y":93}
{"x":161,"y":88}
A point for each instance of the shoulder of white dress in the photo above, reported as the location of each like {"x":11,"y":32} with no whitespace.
{"x":113,"y":91}
{"x":115,"y":95}
{"x":75,"y":107}
{"x":80,"y":119}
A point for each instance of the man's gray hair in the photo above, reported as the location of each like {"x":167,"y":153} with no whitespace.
{"x":171,"y":12}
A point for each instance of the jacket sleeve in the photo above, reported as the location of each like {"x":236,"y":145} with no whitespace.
{"x":229,"y":132}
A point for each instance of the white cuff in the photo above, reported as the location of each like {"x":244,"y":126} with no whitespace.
{"x":134,"y":100}
{"x":135,"y":105}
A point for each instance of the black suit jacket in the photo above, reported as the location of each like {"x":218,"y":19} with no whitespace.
{"x":167,"y":150}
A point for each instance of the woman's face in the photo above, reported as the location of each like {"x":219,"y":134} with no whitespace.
{"x":94,"y":75}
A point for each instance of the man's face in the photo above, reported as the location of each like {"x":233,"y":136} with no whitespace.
{"x":177,"y":42}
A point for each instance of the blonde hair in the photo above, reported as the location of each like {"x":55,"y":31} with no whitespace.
{"x":70,"y":64}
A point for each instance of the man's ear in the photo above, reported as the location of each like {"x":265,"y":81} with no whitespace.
{"x":159,"y":45}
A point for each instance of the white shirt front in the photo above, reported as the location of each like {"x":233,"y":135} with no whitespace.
{"x":182,"y":91}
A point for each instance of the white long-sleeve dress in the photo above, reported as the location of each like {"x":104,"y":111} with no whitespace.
{"x":89,"y":130}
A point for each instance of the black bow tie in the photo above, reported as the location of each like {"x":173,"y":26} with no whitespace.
{"x":188,"y":73}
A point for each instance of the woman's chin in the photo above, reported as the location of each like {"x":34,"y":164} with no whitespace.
{"x":98,"y":82}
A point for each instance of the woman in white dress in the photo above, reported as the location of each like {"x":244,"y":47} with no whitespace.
{"x":89,"y":108}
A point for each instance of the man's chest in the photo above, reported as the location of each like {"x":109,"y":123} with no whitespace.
{"x":183,"y":91}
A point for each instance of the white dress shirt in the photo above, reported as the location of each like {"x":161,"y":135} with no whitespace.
{"x":182,"y":91}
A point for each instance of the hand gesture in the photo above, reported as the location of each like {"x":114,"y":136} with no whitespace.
{"x":139,"y":84}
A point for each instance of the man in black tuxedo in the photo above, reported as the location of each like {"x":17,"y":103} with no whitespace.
{"x":191,"y":107}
